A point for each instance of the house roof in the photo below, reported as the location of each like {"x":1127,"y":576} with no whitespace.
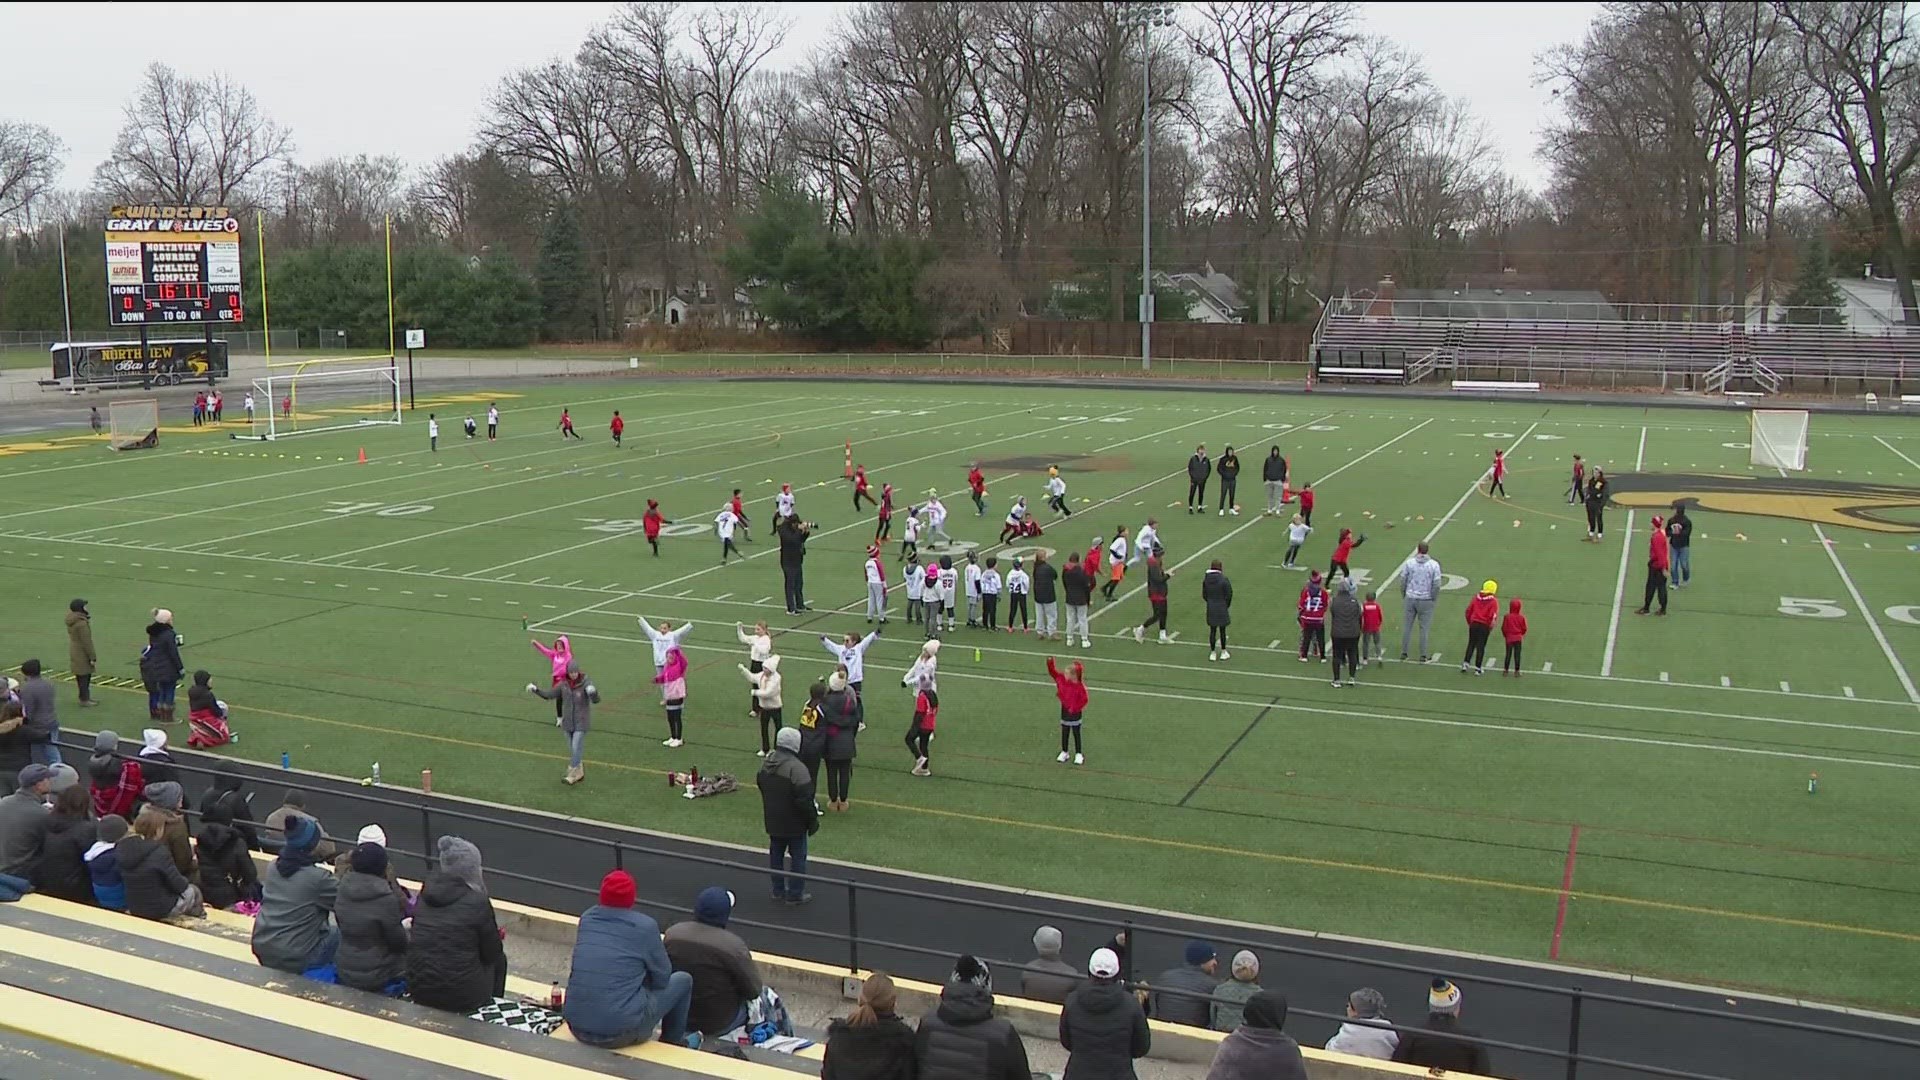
{"x":1208,"y":286}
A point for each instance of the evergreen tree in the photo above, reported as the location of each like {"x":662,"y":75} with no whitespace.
{"x":1814,"y":299}
{"x":566,"y":313}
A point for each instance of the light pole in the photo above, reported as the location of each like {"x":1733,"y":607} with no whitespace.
{"x":1146,"y":16}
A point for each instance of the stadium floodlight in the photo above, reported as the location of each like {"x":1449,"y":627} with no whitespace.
{"x":1146,"y":17}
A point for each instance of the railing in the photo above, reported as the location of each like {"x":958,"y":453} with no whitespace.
{"x":846,"y":942}
{"x":1423,"y":366}
{"x":1717,"y":377}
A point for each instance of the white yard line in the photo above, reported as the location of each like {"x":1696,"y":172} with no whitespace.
{"x":1873,"y":624}
{"x":1455,"y":509}
{"x":1620,"y":581}
{"x":1257,"y":519}
{"x":1896,"y":452}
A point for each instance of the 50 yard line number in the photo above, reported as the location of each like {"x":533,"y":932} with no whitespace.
{"x":1812,"y":608}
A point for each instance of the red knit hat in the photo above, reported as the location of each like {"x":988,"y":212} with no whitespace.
{"x":617,"y":889}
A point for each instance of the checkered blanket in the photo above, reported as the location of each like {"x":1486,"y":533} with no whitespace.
{"x":518,"y":1015}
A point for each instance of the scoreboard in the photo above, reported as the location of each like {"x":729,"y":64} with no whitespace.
{"x":172,"y":265}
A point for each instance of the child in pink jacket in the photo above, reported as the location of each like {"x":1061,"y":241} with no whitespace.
{"x":673,"y":691}
{"x":561,"y":655}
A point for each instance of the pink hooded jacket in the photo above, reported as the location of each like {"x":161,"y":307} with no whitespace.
{"x":560,"y":655}
{"x":673,"y":677}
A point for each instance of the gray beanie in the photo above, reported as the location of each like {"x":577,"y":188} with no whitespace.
{"x":788,"y":740}
{"x":461,"y":859}
{"x":105,"y":742}
{"x":167,"y":795}
{"x":1046,"y":942}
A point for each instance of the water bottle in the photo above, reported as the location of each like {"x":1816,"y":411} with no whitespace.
{"x":286,"y":760}
{"x":555,"y":996}
{"x":376,"y":772}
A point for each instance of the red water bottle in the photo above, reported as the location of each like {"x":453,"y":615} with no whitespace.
{"x":556,"y":997}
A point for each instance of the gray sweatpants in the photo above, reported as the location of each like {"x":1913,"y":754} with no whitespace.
{"x":1273,"y":495}
{"x":1077,"y":621}
{"x":1047,"y":616}
{"x":1420,"y":611}
{"x":876,"y":600}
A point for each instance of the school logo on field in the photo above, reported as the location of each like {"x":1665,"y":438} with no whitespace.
{"x":1882,"y":508}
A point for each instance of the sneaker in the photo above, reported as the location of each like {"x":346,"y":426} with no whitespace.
{"x":1323,"y":659}
{"x":1225,"y":655}
{"x":1235,"y":511}
{"x":1336,"y":683}
{"x":1140,"y":634}
{"x":759,"y":753}
{"x":1062,"y":759}
{"x":1213,"y":654}
{"x":1480,"y":671}
{"x":1641,"y":611}
{"x":1087,"y":643}
{"x":1222,"y":513}
{"x":1465,"y":667}
{"x":1403,"y":657}
{"x":1164,"y":639}
{"x":801,"y":900}
{"x":671,"y":743}
{"x":1079,"y":759}
{"x":1303,"y":658}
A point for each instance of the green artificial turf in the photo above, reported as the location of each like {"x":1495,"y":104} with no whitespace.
{"x":354,"y":613}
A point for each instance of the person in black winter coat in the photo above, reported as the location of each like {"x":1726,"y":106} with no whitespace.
{"x":871,"y":1043}
{"x":373,"y":939}
{"x":840,"y":716}
{"x":1217,"y":591}
{"x":16,"y":752}
{"x":227,"y":873}
{"x":1273,"y":473}
{"x":227,"y":792}
{"x":792,"y":534}
{"x":1229,"y":470}
{"x":62,"y":869}
{"x":1437,"y":1051}
{"x":161,"y":666}
{"x":1199,"y":469}
{"x":155,"y":887}
{"x":455,"y":961}
{"x":962,"y":1039}
{"x":1102,"y":1026}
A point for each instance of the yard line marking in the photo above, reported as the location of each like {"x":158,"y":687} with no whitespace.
{"x":763,"y":600}
{"x":571,"y":584}
{"x":1847,"y":690}
{"x":1873,"y":624}
{"x":1902,"y":457}
{"x":535,"y":581}
{"x":1620,"y":582}
{"x":1274,"y":644}
{"x":681,"y":593}
{"x":1462,"y":501}
{"x":1566,"y":889}
{"x":723,"y":596}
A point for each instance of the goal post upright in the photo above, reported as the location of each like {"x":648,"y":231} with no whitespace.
{"x":367,"y":388}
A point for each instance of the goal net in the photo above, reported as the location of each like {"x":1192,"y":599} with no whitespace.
{"x":1779,"y":439}
{"x":317,"y":396}
{"x":133,"y":425}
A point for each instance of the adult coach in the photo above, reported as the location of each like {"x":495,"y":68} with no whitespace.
{"x":1420,"y":587}
{"x":1658,"y":561}
{"x":1229,"y":470}
{"x":1199,"y":468}
{"x":1680,"y":543}
{"x":1597,"y":505}
{"x":793,"y":535}
{"x":1273,"y":473}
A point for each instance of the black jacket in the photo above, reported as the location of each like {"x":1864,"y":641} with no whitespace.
{"x":1274,"y":468}
{"x":1418,"y":1048}
{"x":793,"y":545}
{"x":1680,"y":531}
{"x":154,"y":884}
{"x":1078,"y":585}
{"x":16,"y":753}
{"x":878,"y":1051}
{"x":373,"y":943}
{"x":161,"y":663}
{"x":200,"y":696}
{"x":226,"y":794}
{"x":1597,"y":491}
{"x":62,"y":869}
{"x":1044,"y":577}
{"x":456,"y":945}
{"x":786,"y":796}
{"x":1103,"y":1028}
{"x":227,"y":874}
{"x":1229,"y":467}
{"x":840,"y":717}
{"x":1217,"y":591}
{"x":1199,"y":468}
{"x":963,"y":1040}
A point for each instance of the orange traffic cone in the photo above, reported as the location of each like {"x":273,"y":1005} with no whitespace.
{"x":363,"y":455}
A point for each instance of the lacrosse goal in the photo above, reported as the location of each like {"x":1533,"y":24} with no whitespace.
{"x":1779,"y":439}
{"x":309,"y":397}
{"x":133,"y":425}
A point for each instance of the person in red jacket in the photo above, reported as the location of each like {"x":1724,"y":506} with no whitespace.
{"x":1514,"y":629}
{"x":1313,"y":618}
{"x":977,"y":481}
{"x":1657,"y":562}
{"x":1071,"y":689}
{"x":861,"y":489}
{"x":650,"y":522}
{"x":566,"y":425}
{"x":883,"y":529}
{"x":1092,"y":561}
{"x":1499,"y":475}
{"x":740,"y":511}
{"x":1306,"y":504}
{"x":1481,"y":611}
{"x":926,"y":711}
{"x":1370,"y":619}
{"x":617,"y":426}
{"x":1342,"y":550}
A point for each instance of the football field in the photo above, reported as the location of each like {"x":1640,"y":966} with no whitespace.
{"x":1640,"y":799}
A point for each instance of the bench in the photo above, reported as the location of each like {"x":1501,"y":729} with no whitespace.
{"x":1495,"y":386}
{"x":1910,"y":401}
{"x":1362,"y":374}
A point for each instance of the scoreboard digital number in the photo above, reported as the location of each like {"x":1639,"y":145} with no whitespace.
{"x":168,"y":265}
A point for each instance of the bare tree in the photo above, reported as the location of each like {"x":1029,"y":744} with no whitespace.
{"x":1015,"y":117}
{"x":186,"y":140}
{"x":1862,"y":57}
{"x":1270,"y":55}
{"x":1435,"y":181}
{"x":30,"y":160}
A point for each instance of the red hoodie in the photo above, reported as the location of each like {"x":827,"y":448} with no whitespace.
{"x":617,"y":425}
{"x":1514,"y":626}
{"x":1072,"y":693}
{"x":977,"y":480}
{"x":1306,"y":500}
{"x":1499,"y":464}
{"x":1482,"y":609}
{"x":1657,"y":546}
{"x":860,"y":479}
{"x":1344,"y":549}
{"x":1370,"y":617}
{"x":652,"y":520}
{"x":925,"y":712}
{"x":1093,"y":561}
{"x":1313,"y":606}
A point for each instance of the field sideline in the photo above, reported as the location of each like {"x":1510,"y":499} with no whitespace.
{"x":354,"y":613}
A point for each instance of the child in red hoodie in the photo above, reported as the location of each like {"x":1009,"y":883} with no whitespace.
{"x":926,"y":710}
{"x":1342,"y":551}
{"x":1370,"y":619}
{"x":1481,"y":611}
{"x":650,"y":523}
{"x":1071,"y":689}
{"x":1514,"y":629}
{"x":1313,"y":619}
{"x":1306,"y":504}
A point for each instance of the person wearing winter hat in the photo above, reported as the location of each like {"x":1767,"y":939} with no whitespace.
{"x":156,"y":761}
{"x":650,"y":523}
{"x":1257,"y":1049}
{"x":962,"y":1039}
{"x":765,"y":682}
{"x":155,"y":889}
{"x":294,"y":804}
{"x":789,"y":814}
{"x":294,"y":931}
{"x":206,"y":715}
{"x":1481,"y":611}
{"x":1659,"y":558}
{"x":116,"y":782}
{"x":227,"y":873}
{"x":23,"y":820}
{"x":725,"y":978}
{"x":371,"y":916}
{"x":161,"y":666}
{"x":1047,"y":977}
{"x":1230,"y":997}
{"x":1362,"y":1035}
{"x":1513,"y":629}
{"x":841,"y":712}
{"x":1439,"y":1044}
{"x":1343,"y":628}
{"x":576,"y":695}
{"x":42,"y":724}
{"x":103,"y":865}
{"x":169,"y":799}
{"x":82,"y":658}
{"x":1102,"y":1026}
{"x":1182,"y":995}
{"x":64,"y":777}
{"x":455,"y":960}
{"x":621,"y":983}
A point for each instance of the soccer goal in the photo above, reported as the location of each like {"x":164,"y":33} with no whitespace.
{"x":1779,"y":439}
{"x":314,"y":396}
{"x":133,"y":425}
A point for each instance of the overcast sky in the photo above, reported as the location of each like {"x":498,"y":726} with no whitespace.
{"x":409,"y":79}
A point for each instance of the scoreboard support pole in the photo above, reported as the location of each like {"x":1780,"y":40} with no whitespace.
{"x":146,"y":360}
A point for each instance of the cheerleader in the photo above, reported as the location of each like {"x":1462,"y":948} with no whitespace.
{"x":673,"y":693}
{"x":876,"y":586}
{"x":759,"y":646}
{"x":1071,"y":689}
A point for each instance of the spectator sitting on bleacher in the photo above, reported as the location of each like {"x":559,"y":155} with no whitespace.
{"x":1047,"y":977}
{"x":1437,"y":1051}
{"x":156,"y":763}
{"x":227,"y":875}
{"x":294,"y":803}
{"x":621,"y":985}
{"x":1198,"y":976}
{"x":725,"y":977}
{"x":294,"y":931}
{"x":373,"y":934}
{"x":155,"y":887}
{"x":962,"y":1039}
{"x":62,"y":869}
{"x":117,"y":781}
{"x":15,"y":751}
{"x":1258,"y":1049}
{"x":455,"y":961}
{"x":167,"y":798}
{"x":103,"y":864}
{"x":23,"y":821}
{"x":1359,"y":1037}
{"x":1103,"y":1028}
{"x":871,"y":1043}
{"x":227,"y":790}
{"x":377,"y":836}
{"x":1229,"y":996}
